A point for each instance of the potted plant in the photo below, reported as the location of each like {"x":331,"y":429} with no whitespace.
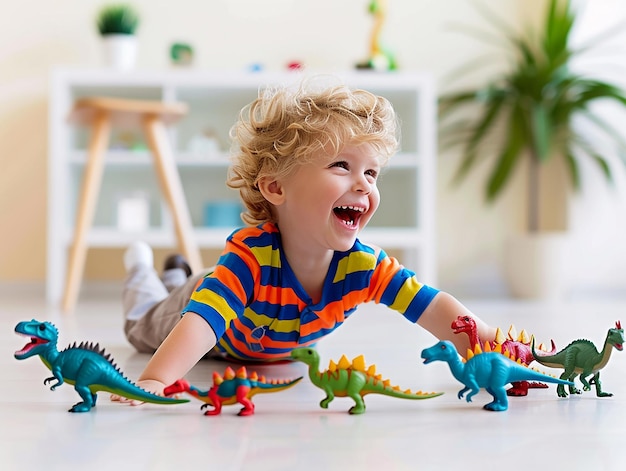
{"x":533,"y":112}
{"x":117,"y":24}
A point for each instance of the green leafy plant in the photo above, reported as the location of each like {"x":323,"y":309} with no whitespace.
{"x":117,"y":19}
{"x":530,"y":110}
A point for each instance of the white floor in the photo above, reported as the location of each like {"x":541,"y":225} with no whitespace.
{"x":290,"y":431}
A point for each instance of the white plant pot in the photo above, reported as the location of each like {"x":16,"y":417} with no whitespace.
{"x":120,"y":51}
{"x":535,"y":265}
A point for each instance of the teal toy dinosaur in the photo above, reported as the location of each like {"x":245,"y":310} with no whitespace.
{"x":87,"y":367}
{"x":232,"y":388}
{"x":354,"y":380}
{"x":582,"y":358}
{"x":489,"y":370}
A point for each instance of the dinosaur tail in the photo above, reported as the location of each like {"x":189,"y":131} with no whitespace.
{"x":131,"y":391}
{"x":395,"y":391}
{"x":523,"y":373}
{"x":274,"y":385}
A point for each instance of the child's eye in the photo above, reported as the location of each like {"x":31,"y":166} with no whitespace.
{"x":340,"y":164}
{"x":372,"y":173}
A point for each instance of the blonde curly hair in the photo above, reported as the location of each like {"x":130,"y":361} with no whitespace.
{"x":284,"y":128}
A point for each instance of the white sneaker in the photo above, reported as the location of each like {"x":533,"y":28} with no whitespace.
{"x":138,"y":253}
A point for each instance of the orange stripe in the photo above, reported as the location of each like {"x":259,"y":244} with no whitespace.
{"x":383,"y":274}
{"x":277,"y":295}
{"x":226,"y":276}
{"x":334,"y":312}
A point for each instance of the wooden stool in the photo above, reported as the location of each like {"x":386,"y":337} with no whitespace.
{"x":101,"y":114}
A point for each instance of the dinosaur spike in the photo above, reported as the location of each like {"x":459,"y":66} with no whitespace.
{"x":242,"y":373}
{"x":332,"y":366}
{"x":344,"y":363}
{"x":512,"y":332}
{"x":470,"y":354}
{"x":217,"y":379}
{"x":487,"y":347}
{"x":523,"y":337}
{"x":396,"y":388}
{"x":500,"y":338}
{"x":371,"y":371}
{"x":229,"y":373}
{"x":358,"y":363}
{"x":477,"y":349}
{"x":618,"y":324}
{"x":378,"y":377}
{"x":386,"y":383}
{"x":498,"y":348}
{"x":254,"y":376}
{"x":262,"y":379}
{"x":408,"y":391}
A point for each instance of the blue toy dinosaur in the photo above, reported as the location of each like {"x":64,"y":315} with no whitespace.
{"x":85,"y":366}
{"x":489,"y":370}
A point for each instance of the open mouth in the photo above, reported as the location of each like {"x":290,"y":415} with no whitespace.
{"x":349,"y":215}
{"x":619,"y":346}
{"x":34,"y":341}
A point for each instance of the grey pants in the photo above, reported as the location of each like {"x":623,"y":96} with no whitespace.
{"x":151,"y":310}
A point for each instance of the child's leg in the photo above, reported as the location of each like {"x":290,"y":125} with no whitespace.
{"x":149,"y":330}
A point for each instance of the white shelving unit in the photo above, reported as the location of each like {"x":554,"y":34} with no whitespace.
{"x":404,"y":221}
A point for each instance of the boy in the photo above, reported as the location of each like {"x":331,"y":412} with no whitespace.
{"x":306,"y":164}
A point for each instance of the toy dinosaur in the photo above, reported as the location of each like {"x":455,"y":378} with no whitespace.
{"x":233,"y":388}
{"x":87,"y":367}
{"x":582,"y":358}
{"x":345,"y":379}
{"x":489,"y":370}
{"x":518,"y":348}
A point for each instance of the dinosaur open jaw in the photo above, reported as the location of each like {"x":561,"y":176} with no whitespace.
{"x":34,"y":341}
{"x":619,"y":346}
{"x":349,"y":215}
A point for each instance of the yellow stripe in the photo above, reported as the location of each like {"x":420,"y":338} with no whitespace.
{"x":406,"y":294}
{"x":218,"y":303}
{"x":277,"y":325}
{"x":266,"y":256}
{"x":355,"y":262}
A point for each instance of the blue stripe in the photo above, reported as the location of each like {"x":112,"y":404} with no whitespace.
{"x":215,"y":320}
{"x":420,"y":302}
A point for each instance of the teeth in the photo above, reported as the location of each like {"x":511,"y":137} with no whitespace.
{"x":353,"y":208}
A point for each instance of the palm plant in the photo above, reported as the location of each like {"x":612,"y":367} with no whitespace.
{"x":536,"y":102}
{"x":117,"y":19}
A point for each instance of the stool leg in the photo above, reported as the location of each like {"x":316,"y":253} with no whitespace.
{"x":87,"y":204}
{"x":172,"y":189}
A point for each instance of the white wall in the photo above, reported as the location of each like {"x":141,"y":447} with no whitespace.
{"x":324,"y":34}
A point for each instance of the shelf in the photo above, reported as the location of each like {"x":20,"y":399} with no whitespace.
{"x":405,"y":219}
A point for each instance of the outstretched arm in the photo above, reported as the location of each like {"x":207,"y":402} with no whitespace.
{"x":437,"y":318}
{"x":186,"y":344}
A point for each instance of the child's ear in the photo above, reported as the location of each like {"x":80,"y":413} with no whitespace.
{"x":272,"y":191}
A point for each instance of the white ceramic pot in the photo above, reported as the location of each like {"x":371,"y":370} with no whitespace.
{"x":120,"y":51}
{"x":535,"y":265}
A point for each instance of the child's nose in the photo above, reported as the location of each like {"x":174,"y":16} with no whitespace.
{"x":362,"y":185}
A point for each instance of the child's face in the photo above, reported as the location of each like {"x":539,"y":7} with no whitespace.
{"x":329,"y":201}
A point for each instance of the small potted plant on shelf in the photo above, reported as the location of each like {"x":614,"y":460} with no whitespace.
{"x":528,"y":113}
{"x":117,"y":24}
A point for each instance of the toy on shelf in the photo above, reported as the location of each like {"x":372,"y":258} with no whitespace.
{"x":516,"y":347}
{"x":379,"y":58}
{"x":345,"y":379}
{"x":489,"y":370}
{"x":583,"y":359}
{"x":233,"y":388}
{"x":87,"y":367}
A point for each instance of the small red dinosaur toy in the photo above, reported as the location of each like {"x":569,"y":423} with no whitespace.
{"x":517,"y":349}
{"x":233,"y":388}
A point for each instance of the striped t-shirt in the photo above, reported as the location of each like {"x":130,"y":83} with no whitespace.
{"x":259,"y":310}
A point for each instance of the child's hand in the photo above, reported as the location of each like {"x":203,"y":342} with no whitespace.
{"x":150,"y":385}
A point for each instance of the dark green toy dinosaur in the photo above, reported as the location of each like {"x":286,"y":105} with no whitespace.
{"x":87,"y":367}
{"x":582,"y":358}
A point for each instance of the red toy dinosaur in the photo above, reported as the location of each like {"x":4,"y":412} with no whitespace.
{"x":517,"y":349}
{"x":233,"y":388}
